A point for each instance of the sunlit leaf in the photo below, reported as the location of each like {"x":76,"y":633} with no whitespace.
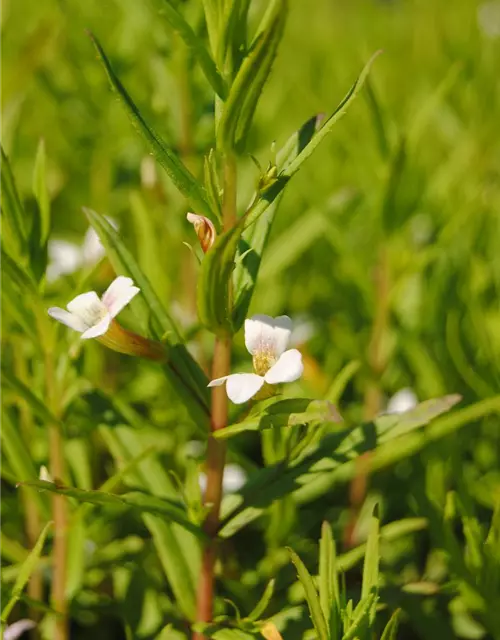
{"x":177,"y":172}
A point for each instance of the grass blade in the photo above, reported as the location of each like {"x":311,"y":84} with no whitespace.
{"x":178,"y":173}
{"x":27,"y":568}
{"x":312,"y":598}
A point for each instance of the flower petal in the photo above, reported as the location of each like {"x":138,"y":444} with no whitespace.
{"x":99,"y":329}
{"x":266,"y":334}
{"x":88,"y":308}
{"x":288,"y":368}
{"x":241,"y":387}
{"x":119,"y":293}
{"x":67,"y":318}
{"x":16,"y":630}
{"x":217,"y":382}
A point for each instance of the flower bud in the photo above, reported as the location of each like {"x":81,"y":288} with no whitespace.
{"x":205,"y":230}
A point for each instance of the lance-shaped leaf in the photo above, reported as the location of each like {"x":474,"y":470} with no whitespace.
{"x":328,"y":580}
{"x":14,"y":232}
{"x":333,"y":461}
{"x":390,"y":631}
{"x":20,"y":278}
{"x":284,"y":413}
{"x":197,"y":47}
{"x":214,"y":279}
{"x":27,"y":568}
{"x":41,"y":192}
{"x":136,"y":501}
{"x":182,"y":370}
{"x":36,"y":404}
{"x":289,"y":162}
{"x":313,"y":602}
{"x":245,"y":91}
{"x":263,"y":603}
{"x":178,"y":173}
{"x":19,"y":460}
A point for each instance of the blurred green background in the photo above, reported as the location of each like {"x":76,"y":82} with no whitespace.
{"x":385,"y":252}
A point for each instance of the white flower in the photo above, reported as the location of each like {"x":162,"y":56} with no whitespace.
{"x":403,"y":400}
{"x":64,"y":258}
{"x":16,"y":630}
{"x":45,"y":475}
{"x":488,"y":18}
{"x":266,"y":339}
{"x":233,"y":479}
{"x":91,"y":315}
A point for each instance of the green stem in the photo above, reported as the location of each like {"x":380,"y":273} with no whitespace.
{"x":216,"y":452}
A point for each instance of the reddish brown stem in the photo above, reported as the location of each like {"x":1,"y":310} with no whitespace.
{"x":59,"y":508}
{"x":216,"y":452}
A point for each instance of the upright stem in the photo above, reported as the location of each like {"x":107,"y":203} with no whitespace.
{"x":216,"y":452}
{"x":59,"y":508}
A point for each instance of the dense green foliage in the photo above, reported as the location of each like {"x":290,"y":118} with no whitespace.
{"x":384,"y":250}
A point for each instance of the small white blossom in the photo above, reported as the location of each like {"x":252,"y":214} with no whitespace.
{"x":64,"y":258}
{"x":266,"y":339}
{"x":91,"y":315}
{"x":45,"y":475}
{"x":403,"y":400}
{"x":233,"y":479}
{"x":16,"y":630}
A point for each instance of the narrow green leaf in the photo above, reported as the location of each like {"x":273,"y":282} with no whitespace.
{"x":212,"y":17}
{"x":391,"y":628}
{"x":213,"y":282}
{"x":212,"y":185}
{"x":391,"y":212}
{"x":27,"y":568}
{"x":258,"y":228}
{"x":76,"y":558}
{"x":19,"y":277}
{"x":197,"y":47}
{"x":37,"y":405}
{"x":178,"y":173}
{"x":372,"y":555}
{"x":290,"y":165}
{"x":19,"y":459}
{"x":15,"y":310}
{"x":328,"y":585}
{"x":41,"y":192}
{"x":178,"y":551}
{"x":250,"y":79}
{"x":284,"y":413}
{"x":271,"y":28}
{"x":182,"y":370}
{"x":341,"y":381}
{"x":137,"y":501}
{"x":360,"y":617}
{"x":313,"y":602}
{"x":263,"y":603}
{"x":333,"y":461}
{"x":14,"y":233}
{"x":218,"y":631}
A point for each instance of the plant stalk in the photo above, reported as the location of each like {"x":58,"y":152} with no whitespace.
{"x":216,"y":452}
{"x":59,"y":508}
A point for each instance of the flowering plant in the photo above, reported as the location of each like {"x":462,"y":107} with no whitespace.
{"x":163,"y":490}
